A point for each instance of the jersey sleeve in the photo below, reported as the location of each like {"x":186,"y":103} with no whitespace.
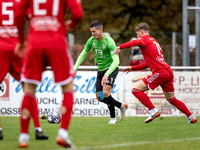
{"x":111,"y":46}
{"x":80,"y":59}
{"x":21,"y":10}
{"x":115,"y":58}
{"x":140,"y":66}
{"x":83,"y":54}
{"x":76,"y":12}
{"x":114,"y":65}
{"x":88,"y":45}
{"x":137,"y":42}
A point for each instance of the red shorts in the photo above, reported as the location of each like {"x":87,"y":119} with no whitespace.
{"x":162,"y":77}
{"x":37,"y":59}
{"x":10,"y":63}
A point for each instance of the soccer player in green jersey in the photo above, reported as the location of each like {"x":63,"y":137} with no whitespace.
{"x":107,"y":63}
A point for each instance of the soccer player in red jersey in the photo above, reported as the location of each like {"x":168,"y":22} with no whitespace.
{"x":162,"y":74}
{"x":47,"y":46}
{"x":9,"y":62}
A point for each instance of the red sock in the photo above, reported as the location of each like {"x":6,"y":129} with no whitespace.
{"x":25,"y":105}
{"x":68,"y":102}
{"x":35,"y":113}
{"x":143,"y":98}
{"x":180,"y":106}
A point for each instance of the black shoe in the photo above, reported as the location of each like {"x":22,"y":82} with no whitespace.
{"x":40,"y":135}
{"x":1,"y":135}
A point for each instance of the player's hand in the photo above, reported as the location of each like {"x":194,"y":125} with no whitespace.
{"x":74,"y":74}
{"x":67,"y":25}
{"x":117,"y":50}
{"x":127,"y":70}
{"x":20,"y":49}
{"x":104,"y":80}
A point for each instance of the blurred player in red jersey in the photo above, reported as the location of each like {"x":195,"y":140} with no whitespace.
{"x":162,"y":74}
{"x":47,"y":46}
{"x":9,"y":62}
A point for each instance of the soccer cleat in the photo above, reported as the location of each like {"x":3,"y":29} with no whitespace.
{"x":154,"y":113}
{"x":23,"y":140}
{"x":23,"y":144}
{"x":1,"y":135}
{"x":63,"y":141}
{"x":192,"y":119}
{"x":123,"y":111}
{"x":113,"y":121}
{"x":40,"y":135}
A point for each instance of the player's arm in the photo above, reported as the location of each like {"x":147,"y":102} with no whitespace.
{"x":76,"y":12}
{"x":136,"y":67}
{"x":114,"y":64}
{"x":83,"y":54}
{"x":21,"y":10}
{"x":127,"y":45}
{"x":140,"y":66}
{"x":80,"y":59}
{"x":130,"y":44}
{"x":115,"y":58}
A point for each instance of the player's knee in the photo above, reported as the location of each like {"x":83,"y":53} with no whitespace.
{"x":135,"y":91}
{"x":68,"y":87}
{"x":99,"y":96}
{"x":63,"y":110}
{"x":106,"y":94}
{"x":171,"y":100}
{"x":25,"y":113}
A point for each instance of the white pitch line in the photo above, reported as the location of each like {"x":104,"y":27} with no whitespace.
{"x":138,"y":143}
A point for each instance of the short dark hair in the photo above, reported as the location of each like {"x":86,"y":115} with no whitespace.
{"x":142,"y":26}
{"x":96,"y":24}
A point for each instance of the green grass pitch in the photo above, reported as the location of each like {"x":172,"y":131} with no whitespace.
{"x":91,"y":133}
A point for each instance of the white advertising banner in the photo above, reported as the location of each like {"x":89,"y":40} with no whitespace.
{"x":187,"y":89}
{"x":49,"y":95}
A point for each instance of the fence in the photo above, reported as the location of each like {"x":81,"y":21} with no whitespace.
{"x":171,"y":46}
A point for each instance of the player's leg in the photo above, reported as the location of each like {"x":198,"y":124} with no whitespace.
{"x":39,"y":135}
{"x":66,"y":112}
{"x":15,"y":71}
{"x":62,"y":65}
{"x":110,"y":100}
{"x":1,"y":134}
{"x":138,"y":91}
{"x":168,"y":90}
{"x":4,"y":65}
{"x":100,"y":95}
{"x":29,"y":96}
{"x":180,"y":106}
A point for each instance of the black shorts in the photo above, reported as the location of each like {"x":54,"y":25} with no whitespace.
{"x":111,"y":79}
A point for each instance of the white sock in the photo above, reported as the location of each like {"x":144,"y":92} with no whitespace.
{"x":0,"y":129}
{"x":122,"y":106}
{"x":63,"y":132}
{"x":23,"y":137}
{"x":153,"y":110}
{"x":39,"y":129}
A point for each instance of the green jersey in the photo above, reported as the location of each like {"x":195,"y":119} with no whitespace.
{"x":103,"y":51}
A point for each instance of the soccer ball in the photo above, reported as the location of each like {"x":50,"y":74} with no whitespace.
{"x":54,"y":117}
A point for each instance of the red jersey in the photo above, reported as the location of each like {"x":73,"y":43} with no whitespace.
{"x":8,"y":28}
{"x":47,"y":22}
{"x":151,"y":51}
